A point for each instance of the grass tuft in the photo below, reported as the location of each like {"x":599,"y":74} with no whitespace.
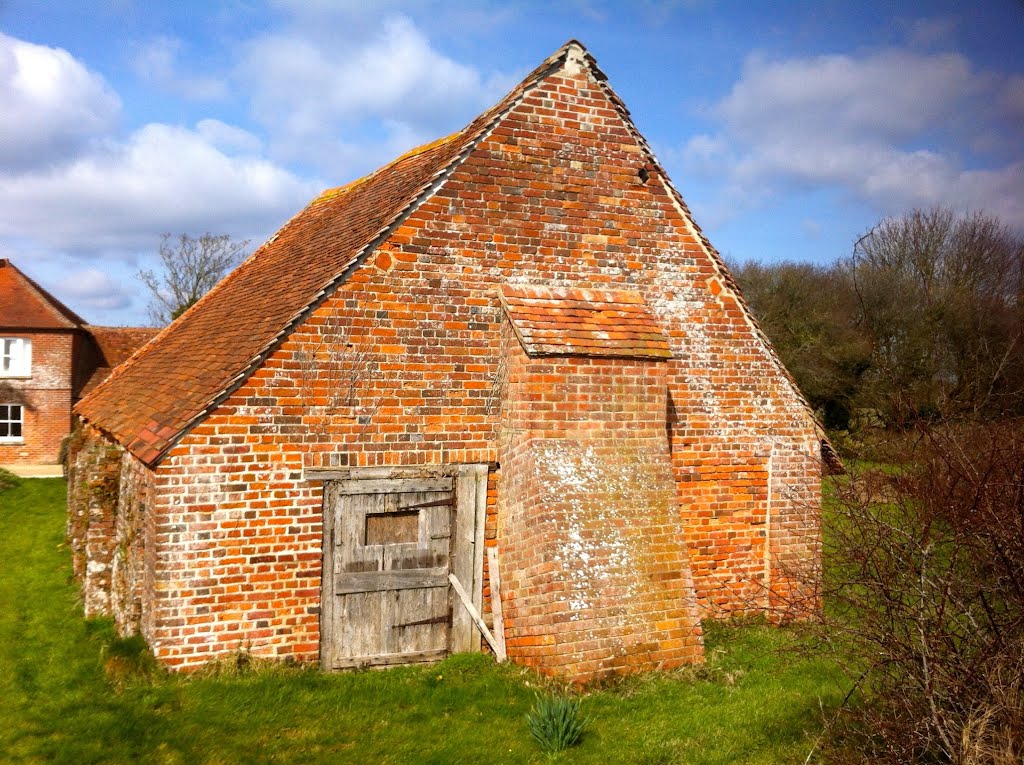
{"x":128,"y":661}
{"x":555,"y":723}
{"x":8,"y":480}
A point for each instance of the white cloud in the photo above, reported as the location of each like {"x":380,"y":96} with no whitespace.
{"x":885,"y":127}
{"x":811,"y":228}
{"x":1011,"y":99}
{"x":320,"y":95}
{"x":891,"y":95}
{"x":92,"y":288}
{"x":50,"y":105}
{"x":355,"y":20}
{"x":229,"y":138}
{"x":926,"y":33}
{"x":158,"y":62}
{"x":69,"y":182}
{"x":162,"y":178}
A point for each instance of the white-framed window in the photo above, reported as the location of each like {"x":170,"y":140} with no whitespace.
{"x":15,"y":357}
{"x":11,"y":420}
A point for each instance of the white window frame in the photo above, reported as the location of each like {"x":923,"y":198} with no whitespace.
{"x":15,"y":357}
{"x":8,"y":419}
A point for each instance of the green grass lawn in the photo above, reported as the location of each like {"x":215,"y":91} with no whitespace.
{"x":755,"y":702}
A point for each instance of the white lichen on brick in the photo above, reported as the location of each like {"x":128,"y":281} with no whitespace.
{"x":590,"y":561}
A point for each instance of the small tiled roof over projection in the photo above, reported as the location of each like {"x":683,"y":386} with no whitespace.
{"x":579,"y":322}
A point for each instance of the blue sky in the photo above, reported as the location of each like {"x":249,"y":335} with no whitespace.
{"x":789,"y":127}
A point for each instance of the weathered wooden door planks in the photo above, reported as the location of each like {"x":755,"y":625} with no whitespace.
{"x":389,"y":546}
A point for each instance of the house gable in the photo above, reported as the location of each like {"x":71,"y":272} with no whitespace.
{"x":24,"y":305}
{"x":150,"y":402}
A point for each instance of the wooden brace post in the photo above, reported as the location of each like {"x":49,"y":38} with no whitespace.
{"x":499,"y":652}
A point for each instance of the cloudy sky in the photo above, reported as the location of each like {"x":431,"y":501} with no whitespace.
{"x":790,"y":128}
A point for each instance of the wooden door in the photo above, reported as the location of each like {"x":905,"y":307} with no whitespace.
{"x":390,"y":559}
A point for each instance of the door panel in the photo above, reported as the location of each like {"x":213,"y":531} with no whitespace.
{"x":390,"y":561}
{"x":391,"y":538}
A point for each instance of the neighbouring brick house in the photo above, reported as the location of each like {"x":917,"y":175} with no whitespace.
{"x":516,"y":339}
{"x":49,"y":358}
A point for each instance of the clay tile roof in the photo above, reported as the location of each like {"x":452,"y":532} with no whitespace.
{"x":26,"y":305}
{"x":116,"y":345}
{"x":149,"y":402}
{"x":579,"y":322}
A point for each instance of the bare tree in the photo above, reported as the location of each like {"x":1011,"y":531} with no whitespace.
{"x":810,"y":314}
{"x":943,"y":311}
{"x":924,"y":321}
{"x":190,"y":267}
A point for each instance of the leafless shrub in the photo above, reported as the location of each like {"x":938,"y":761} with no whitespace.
{"x":924,"y":586}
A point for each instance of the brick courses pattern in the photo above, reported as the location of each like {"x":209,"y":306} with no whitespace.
{"x":597,"y":579}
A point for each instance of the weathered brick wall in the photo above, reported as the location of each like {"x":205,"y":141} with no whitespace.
{"x":596,"y":570}
{"x":236,"y":539}
{"x":794,"y":561}
{"x":553,"y":195}
{"x":94,"y":489}
{"x":78,"y":471}
{"x":46,"y":398}
{"x":131,"y":569}
{"x":729,"y":411}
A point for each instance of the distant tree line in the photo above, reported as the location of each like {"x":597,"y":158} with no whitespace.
{"x":923,"y":321}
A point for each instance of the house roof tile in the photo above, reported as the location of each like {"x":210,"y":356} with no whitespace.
{"x":578,"y":322}
{"x":116,"y":345}
{"x":26,"y":305}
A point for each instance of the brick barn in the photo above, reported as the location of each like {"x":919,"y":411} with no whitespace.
{"x":514,"y":339}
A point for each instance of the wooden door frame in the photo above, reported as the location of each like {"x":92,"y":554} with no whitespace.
{"x":467,"y":563}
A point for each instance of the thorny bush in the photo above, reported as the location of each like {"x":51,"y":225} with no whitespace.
{"x":924,"y":586}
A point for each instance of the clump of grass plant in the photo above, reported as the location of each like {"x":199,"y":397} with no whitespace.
{"x":8,"y":480}
{"x":555,"y":723}
{"x":128,"y":660}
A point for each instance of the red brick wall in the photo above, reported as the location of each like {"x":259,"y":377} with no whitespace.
{"x":553,"y":195}
{"x":131,"y":571}
{"x":46,"y":397}
{"x":596,"y":574}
